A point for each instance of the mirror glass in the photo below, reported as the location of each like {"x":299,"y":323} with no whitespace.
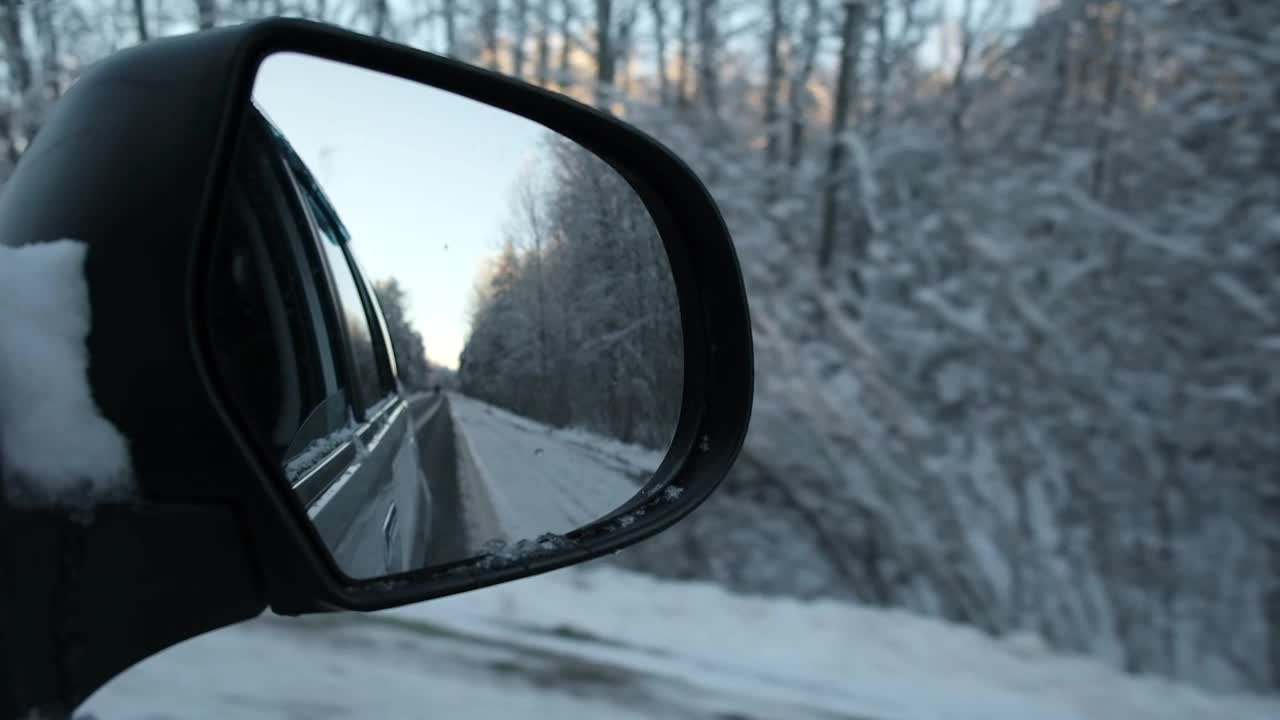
{"x":455,"y":329}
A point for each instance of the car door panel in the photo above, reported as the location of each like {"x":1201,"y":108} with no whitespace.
{"x":367,"y":496}
{"x":374,"y":470}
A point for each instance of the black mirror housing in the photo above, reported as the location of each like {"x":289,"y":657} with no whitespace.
{"x":132,"y":161}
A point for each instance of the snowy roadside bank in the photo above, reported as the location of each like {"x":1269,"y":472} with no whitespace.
{"x":598,"y":641}
{"x":601,"y":642}
{"x":824,"y":659}
{"x":487,"y":515}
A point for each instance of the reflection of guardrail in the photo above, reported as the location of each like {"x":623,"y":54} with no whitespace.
{"x":488,"y":514}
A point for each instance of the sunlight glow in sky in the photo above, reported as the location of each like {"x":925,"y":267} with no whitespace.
{"x":422,"y":178}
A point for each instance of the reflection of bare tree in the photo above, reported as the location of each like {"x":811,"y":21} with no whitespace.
{"x":530,"y":212}
{"x":577,"y":321}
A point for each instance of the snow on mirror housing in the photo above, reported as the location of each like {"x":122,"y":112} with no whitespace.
{"x":455,"y":331}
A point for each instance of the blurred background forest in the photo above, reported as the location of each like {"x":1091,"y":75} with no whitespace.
{"x":1014,"y":268}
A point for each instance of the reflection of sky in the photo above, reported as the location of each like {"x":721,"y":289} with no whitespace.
{"x":421,"y":177}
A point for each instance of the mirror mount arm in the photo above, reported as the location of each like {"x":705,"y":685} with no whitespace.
{"x":99,"y":593}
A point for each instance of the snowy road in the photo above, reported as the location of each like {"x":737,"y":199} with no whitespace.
{"x":497,"y":476}
{"x":433,"y":426}
{"x":519,"y":479}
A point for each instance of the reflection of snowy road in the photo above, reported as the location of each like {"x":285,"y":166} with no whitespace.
{"x":433,"y":426}
{"x":521,"y":479}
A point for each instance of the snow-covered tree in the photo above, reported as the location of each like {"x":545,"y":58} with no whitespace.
{"x":577,"y":322}
{"x":411,"y":356}
{"x":1013,"y":277}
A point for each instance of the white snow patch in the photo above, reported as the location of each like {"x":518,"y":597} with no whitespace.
{"x":318,"y":450}
{"x":819,"y":658}
{"x":643,"y":459}
{"x":484,"y":512}
{"x":498,"y":554}
{"x":56,"y":448}
{"x":596,"y":641}
{"x":335,"y":667}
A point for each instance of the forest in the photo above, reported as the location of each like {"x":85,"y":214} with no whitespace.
{"x":1014,"y":271}
{"x":577,"y":323}
{"x":413,"y":368}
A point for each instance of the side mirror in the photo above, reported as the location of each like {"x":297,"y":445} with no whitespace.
{"x":378,"y":233}
{"x":376,"y":326}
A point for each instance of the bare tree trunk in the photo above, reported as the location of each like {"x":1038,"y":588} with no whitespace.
{"x":1268,"y":497}
{"x":519,"y":33}
{"x":708,"y":54}
{"x":1061,"y":81}
{"x":16,"y":58}
{"x":379,"y":21}
{"x":47,"y":37}
{"x":798,"y":88}
{"x":882,"y":66}
{"x":1111,"y":92}
{"x":534,"y":218}
{"x":850,"y":47}
{"x":682,"y":58}
{"x":449,"y":9}
{"x":623,"y":45}
{"x":660,"y":45}
{"x":959,"y":78}
{"x":772,"y":88}
{"x":206,"y":14}
{"x":604,"y":51}
{"x":489,"y":32}
{"x":1166,"y":505}
{"x":566,"y":44}
{"x":542,"y":73}
{"x":140,"y":19}
{"x":11,"y":148}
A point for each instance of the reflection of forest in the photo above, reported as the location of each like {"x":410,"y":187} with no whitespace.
{"x":412,"y":366}
{"x":577,"y":324}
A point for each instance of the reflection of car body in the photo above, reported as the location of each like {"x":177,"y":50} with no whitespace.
{"x":293,"y":312}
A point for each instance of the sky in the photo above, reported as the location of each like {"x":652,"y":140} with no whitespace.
{"x":421,"y":177}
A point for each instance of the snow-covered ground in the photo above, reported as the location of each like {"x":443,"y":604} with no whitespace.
{"x":597,"y":641}
{"x":520,"y":479}
{"x":600,"y":642}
